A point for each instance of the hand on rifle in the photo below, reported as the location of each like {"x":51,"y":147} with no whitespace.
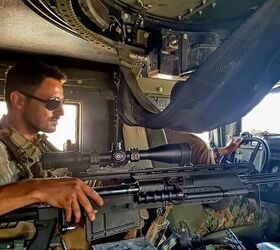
{"x":69,"y":194}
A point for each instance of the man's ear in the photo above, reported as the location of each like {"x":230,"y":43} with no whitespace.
{"x":17,"y":100}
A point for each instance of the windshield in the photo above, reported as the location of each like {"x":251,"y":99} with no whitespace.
{"x":265,"y":116}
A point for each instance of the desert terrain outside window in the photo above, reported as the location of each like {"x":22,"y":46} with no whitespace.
{"x":67,"y":128}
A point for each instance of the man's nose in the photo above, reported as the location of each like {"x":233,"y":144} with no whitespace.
{"x":59,"y":111}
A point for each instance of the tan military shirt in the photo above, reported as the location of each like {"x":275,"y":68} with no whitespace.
{"x":19,"y":157}
{"x":9,"y":171}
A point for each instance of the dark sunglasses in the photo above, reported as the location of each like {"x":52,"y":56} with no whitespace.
{"x":51,"y":104}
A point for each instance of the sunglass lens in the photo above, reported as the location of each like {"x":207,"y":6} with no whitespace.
{"x":52,"y":104}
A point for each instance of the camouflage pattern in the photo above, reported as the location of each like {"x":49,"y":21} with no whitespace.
{"x":20,"y":158}
{"x":10,"y":171}
{"x":239,"y":211}
{"x":228,"y":213}
{"x":218,"y":247}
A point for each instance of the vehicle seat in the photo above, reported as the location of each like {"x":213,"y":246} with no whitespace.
{"x":136,"y":137}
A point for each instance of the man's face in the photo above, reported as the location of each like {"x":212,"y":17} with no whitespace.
{"x":36,"y":115}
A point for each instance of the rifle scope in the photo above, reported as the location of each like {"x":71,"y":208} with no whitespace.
{"x":170,"y":153}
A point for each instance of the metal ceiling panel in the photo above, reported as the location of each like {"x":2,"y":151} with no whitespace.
{"x":25,"y":31}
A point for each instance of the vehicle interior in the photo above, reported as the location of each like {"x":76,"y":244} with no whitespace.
{"x":136,"y":69}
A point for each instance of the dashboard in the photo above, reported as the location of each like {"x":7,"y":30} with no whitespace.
{"x":263,"y":151}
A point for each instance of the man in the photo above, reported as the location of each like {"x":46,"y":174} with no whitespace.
{"x":201,"y":152}
{"x":34,"y":96}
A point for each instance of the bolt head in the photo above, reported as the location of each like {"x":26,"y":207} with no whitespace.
{"x":125,"y":16}
{"x":159,"y":89}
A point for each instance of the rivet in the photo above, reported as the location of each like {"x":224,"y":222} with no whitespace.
{"x":125,"y":16}
{"x":160,"y":89}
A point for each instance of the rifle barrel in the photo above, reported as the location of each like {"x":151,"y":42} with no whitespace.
{"x":266,"y":178}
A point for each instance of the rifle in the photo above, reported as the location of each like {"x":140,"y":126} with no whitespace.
{"x":153,"y":188}
{"x":162,"y":187}
{"x":133,"y":190}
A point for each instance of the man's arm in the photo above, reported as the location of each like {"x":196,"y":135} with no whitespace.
{"x":66,"y":193}
{"x":231,"y":146}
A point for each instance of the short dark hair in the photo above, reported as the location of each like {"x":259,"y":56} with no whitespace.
{"x":28,"y":76}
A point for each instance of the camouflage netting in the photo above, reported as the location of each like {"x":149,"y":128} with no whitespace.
{"x":226,"y":87}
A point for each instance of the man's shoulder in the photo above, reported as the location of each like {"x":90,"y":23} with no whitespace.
{"x":4,"y":131}
{"x":3,"y":148}
{"x":5,"y":156}
{"x":9,"y":172}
